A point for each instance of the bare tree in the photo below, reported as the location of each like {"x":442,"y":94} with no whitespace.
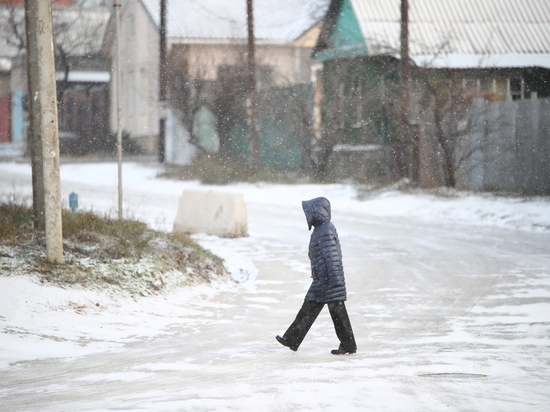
{"x":333,"y":114}
{"x":448,"y":112}
{"x":78,"y":36}
{"x":361,"y":101}
{"x":230,"y":102}
{"x":189,"y":90}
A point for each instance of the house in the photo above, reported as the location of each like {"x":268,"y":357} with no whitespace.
{"x":494,"y":49}
{"x":82,"y":74}
{"x":207,"y":43}
{"x":475,"y":37}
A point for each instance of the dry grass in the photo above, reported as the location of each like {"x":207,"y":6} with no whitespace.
{"x":101,"y":252}
{"x":15,"y":219}
{"x":214,"y":169}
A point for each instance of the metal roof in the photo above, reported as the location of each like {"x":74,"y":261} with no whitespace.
{"x":274,"y":20}
{"x":444,"y":32}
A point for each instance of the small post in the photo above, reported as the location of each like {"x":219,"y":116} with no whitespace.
{"x":73,"y":202}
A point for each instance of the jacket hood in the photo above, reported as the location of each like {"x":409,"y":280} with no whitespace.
{"x":317,"y":211}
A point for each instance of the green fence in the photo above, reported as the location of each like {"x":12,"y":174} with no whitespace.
{"x":284,"y":113}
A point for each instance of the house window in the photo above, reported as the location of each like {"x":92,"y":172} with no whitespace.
{"x":341,"y":112}
{"x":265,"y":76}
{"x":470,"y":85}
{"x":131,"y":29}
{"x":499,"y":88}
{"x":516,"y":88}
{"x":141,"y":98}
{"x":83,"y":117}
{"x":131,"y":95}
{"x":97,"y":115}
{"x":71,"y":115}
{"x":358,"y":102}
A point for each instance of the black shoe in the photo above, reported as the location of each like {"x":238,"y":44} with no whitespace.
{"x":342,"y":351}
{"x":284,"y":342}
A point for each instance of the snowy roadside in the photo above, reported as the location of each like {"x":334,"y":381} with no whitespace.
{"x":521,"y":213}
{"x":484,"y":209}
{"x":44,"y":321}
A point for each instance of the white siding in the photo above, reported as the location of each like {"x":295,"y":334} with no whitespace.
{"x":139,"y":55}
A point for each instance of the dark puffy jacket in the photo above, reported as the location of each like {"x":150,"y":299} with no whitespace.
{"x":325,"y":254}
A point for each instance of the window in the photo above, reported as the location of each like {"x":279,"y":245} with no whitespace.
{"x":142,"y":93}
{"x":471,"y":85}
{"x":131,"y":95}
{"x":71,"y":115}
{"x":516,"y":88}
{"x":131,"y":29}
{"x":358,"y":103}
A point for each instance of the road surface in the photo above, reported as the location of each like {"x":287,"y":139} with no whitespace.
{"x":446,"y":316}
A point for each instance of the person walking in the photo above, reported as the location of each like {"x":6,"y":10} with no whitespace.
{"x":328,"y":285}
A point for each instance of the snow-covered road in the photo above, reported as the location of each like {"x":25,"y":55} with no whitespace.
{"x":449,"y":299}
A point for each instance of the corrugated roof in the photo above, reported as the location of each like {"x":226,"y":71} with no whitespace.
{"x":459,"y":27}
{"x":274,"y":20}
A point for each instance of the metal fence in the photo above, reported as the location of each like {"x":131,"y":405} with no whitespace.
{"x":512,"y":147}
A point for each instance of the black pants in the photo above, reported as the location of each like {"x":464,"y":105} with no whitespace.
{"x":298,"y":330}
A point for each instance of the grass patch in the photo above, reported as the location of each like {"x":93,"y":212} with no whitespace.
{"x":14,"y":220}
{"x":123,"y":256}
{"x":15,"y":216}
{"x":120,"y":238}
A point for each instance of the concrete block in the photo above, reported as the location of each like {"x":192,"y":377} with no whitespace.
{"x":214,"y":213}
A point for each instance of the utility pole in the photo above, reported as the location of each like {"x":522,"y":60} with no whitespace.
{"x":43,"y":105}
{"x":163,"y":106}
{"x":117,"y":5}
{"x":405,"y":94}
{"x":251,"y":103}
{"x":35,"y":145}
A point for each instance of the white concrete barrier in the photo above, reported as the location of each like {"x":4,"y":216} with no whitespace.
{"x":214,"y":213}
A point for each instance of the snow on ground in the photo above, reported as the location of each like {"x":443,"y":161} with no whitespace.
{"x":40,"y":321}
{"x":522,"y":213}
{"x":44,"y":310}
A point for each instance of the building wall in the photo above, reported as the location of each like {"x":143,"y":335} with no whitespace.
{"x":5,"y":119}
{"x":139,"y":44}
{"x":83,"y":111}
{"x":4,"y":83}
{"x":290,"y":64}
{"x":139,"y":69}
{"x":5,"y":108}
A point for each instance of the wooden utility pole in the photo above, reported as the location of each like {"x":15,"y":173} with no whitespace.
{"x":253,"y":142}
{"x":405,"y":94}
{"x":163,"y":106}
{"x":43,"y":106}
